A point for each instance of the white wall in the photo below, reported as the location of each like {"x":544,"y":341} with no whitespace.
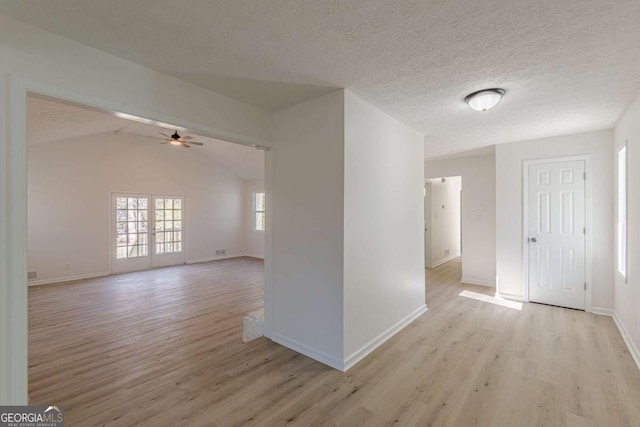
{"x":347,"y":248}
{"x":627,"y":294}
{"x":509,"y":161}
{"x":478,"y":213}
{"x":70,"y":183}
{"x":445,"y":220}
{"x":253,"y":239}
{"x":306,"y":204}
{"x":36,"y":59}
{"x":383,"y":227}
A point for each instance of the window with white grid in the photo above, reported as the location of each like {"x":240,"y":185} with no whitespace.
{"x":132,"y":227}
{"x":168,"y":223}
{"x":258,"y":212}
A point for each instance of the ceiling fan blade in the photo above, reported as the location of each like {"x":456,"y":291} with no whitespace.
{"x":154,"y":137}
{"x":186,"y":138}
{"x":164,"y":134}
{"x":166,"y":142}
{"x":185,"y":145}
{"x":195,"y":143}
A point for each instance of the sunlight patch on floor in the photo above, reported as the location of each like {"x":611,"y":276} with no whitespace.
{"x":493,"y":300}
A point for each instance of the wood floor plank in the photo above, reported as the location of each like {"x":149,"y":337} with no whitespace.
{"x":163,"y":347}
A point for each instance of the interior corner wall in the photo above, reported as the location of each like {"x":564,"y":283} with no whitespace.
{"x":509,"y":188}
{"x":445,"y":220}
{"x":383,"y":227}
{"x":254,"y":240}
{"x":306,"y":174}
{"x":478,"y":174}
{"x":627,"y":293}
{"x":69,"y":194}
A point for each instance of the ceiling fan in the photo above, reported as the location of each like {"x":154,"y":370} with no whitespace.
{"x":175,"y":139}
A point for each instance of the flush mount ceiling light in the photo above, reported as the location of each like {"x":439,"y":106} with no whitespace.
{"x":485,"y":99}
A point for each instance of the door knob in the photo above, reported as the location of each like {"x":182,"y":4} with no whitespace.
{"x":533,"y":239}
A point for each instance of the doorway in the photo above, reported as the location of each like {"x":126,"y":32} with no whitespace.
{"x":556,"y":232}
{"x":443,"y":220}
{"x":109,"y":195}
{"x":15,"y":90}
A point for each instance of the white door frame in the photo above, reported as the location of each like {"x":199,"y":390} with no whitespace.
{"x":14,"y":384}
{"x":588,"y":215}
{"x":427,"y":223}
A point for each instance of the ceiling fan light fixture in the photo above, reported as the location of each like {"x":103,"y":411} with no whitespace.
{"x":175,"y":139}
{"x":484,"y":100}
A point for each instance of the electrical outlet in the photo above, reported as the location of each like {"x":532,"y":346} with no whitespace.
{"x":447,"y":252}
{"x":32,"y":275}
{"x":221,"y":251}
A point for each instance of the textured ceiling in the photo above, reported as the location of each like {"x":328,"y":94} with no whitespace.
{"x":568,"y":66}
{"x":50,"y":121}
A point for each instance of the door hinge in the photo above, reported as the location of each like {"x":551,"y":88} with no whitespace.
{"x":584,"y":176}
{"x":585,"y":286}
{"x":584,"y":230}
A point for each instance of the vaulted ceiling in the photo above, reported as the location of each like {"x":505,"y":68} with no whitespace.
{"x":51,"y":121}
{"x":568,"y":66}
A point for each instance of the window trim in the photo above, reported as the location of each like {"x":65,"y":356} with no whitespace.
{"x":622,"y":212}
{"x":255,"y":210}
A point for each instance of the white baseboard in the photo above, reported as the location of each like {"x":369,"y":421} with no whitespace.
{"x":626,"y":336}
{"x":511,"y":297}
{"x":254,"y":256}
{"x":213,"y":258}
{"x":633,"y":350}
{"x":65,"y":279}
{"x":102,"y":274}
{"x":443,"y":260}
{"x":380,"y":339}
{"x":477,"y":282}
{"x":320,"y":356}
{"x":344,"y":365}
{"x":602,"y":311}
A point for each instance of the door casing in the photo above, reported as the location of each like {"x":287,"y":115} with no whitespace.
{"x":588,"y":216}
{"x":427,"y":224}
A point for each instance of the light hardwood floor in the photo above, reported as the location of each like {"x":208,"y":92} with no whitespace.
{"x":163,"y":347}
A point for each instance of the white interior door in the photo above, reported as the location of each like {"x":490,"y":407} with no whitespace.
{"x":556,"y":206}
{"x":147,"y":231}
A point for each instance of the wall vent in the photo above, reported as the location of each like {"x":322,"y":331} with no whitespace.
{"x":221,"y":251}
